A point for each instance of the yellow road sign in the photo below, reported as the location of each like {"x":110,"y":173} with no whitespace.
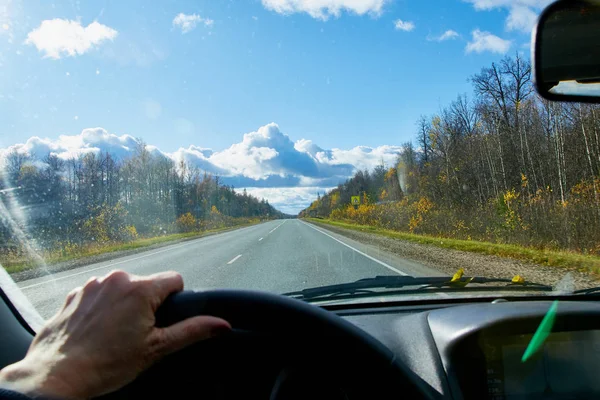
{"x":355,"y":200}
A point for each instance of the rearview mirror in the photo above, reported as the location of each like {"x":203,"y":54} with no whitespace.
{"x":567,"y":51}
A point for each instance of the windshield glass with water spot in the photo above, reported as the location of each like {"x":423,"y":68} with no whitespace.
{"x":284,"y":145}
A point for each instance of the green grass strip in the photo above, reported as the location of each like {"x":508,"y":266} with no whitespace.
{"x":53,"y":257}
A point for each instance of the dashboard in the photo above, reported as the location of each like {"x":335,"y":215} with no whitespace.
{"x":447,"y":350}
{"x":451,"y":349}
{"x":475,"y":351}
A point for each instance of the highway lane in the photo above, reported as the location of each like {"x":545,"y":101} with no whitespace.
{"x":277,"y":256}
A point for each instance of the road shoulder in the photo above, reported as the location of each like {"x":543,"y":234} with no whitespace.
{"x":448,"y":261}
{"x":373,"y":250}
{"x":109,"y":256}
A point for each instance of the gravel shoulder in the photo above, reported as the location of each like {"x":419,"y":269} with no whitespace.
{"x":449,"y":260}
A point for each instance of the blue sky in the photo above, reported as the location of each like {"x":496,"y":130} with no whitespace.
{"x":338,"y":73}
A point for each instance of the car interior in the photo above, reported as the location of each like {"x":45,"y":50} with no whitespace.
{"x":283,"y":348}
{"x":459,"y":348}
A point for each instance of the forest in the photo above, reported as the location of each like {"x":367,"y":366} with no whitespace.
{"x":95,"y":199}
{"x":502,"y":165}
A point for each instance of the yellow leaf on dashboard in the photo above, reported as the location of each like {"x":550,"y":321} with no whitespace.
{"x":462,"y":283}
{"x":459,"y":274}
{"x":518,"y":279}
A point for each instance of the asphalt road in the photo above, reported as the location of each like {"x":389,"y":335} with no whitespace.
{"x":277,"y":256}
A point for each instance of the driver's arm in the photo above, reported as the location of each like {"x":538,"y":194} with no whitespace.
{"x":103,"y":338}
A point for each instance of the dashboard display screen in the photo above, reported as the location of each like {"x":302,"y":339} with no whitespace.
{"x":566,"y":367}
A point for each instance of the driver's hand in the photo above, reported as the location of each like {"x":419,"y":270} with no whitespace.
{"x":104,"y":337}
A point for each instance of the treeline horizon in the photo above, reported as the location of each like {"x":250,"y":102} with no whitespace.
{"x":504,"y":166}
{"x":96,"y":198}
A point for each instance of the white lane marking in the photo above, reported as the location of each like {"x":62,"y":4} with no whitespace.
{"x":54,"y":279}
{"x":358,"y":251}
{"x":234,"y":259}
{"x":260,"y":239}
{"x":273,"y":230}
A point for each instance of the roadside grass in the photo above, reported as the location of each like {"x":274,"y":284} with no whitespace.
{"x":14,"y":264}
{"x":563,"y":259}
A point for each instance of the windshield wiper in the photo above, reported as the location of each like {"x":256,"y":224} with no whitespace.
{"x":377,"y":285}
{"x":593,"y":290}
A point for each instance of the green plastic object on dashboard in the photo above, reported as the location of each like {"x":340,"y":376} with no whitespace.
{"x":542,"y":332}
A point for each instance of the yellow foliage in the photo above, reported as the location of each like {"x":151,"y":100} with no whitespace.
{"x":414,"y":222}
{"x":460,"y":227}
{"x":510,"y":196}
{"x":96,"y":228}
{"x":186,"y":222}
{"x":107,"y":224}
{"x":584,"y":190}
{"x":391,"y":173}
{"x":214,"y":210}
{"x":335,"y":199}
{"x":131,"y":232}
{"x":424,"y":205}
{"x":365,"y":198}
{"x":516,"y":216}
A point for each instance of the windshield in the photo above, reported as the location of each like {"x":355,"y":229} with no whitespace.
{"x":283,"y":145}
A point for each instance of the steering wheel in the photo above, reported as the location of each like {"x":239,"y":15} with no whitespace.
{"x":323,"y":340}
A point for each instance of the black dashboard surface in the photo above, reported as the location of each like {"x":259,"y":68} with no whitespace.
{"x":444,"y":346}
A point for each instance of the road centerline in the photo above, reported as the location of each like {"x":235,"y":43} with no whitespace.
{"x":53,"y":279}
{"x":273,"y":230}
{"x":356,"y":250}
{"x":234,"y":259}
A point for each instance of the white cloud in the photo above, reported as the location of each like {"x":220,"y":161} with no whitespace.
{"x":288,"y":200}
{"x":448,"y":35}
{"x":574,"y":88}
{"x":493,"y":4}
{"x":522,"y":14}
{"x":57,"y":37}
{"x":521,"y":19}
{"x":92,"y":140}
{"x":406,"y":26}
{"x":485,"y":41}
{"x":363,"y":157}
{"x":266,"y":159}
{"x":187,"y":22}
{"x":269,"y":152}
{"x":323,"y":9}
